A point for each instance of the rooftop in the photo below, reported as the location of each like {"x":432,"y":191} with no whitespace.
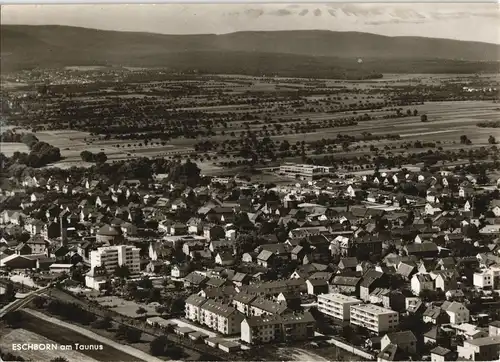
{"x":371,"y":308}
{"x":338,"y":298}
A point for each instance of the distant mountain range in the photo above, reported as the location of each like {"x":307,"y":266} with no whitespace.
{"x":294,"y":53}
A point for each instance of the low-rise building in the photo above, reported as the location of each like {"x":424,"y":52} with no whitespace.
{"x":421,"y":282}
{"x":480,"y":349}
{"x":405,"y":340}
{"x":304,"y":171}
{"x":441,"y":354}
{"x":457,"y":312}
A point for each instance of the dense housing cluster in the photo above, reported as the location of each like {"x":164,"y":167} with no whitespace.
{"x":227,"y":216}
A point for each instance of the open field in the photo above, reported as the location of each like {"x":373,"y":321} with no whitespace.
{"x":65,"y":336}
{"x":447,"y":122}
{"x":224,"y":121}
{"x":8,"y":148}
{"x":318,"y":355}
{"x":126,"y":307}
{"x":24,"y":336}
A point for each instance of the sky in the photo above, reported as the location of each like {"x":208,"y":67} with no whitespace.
{"x":462,"y":21}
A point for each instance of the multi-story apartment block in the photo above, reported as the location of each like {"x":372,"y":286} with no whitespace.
{"x":374,"y":318}
{"x":285,"y":328}
{"x":220,"y":317}
{"x":263,"y":306}
{"x":336,"y":305}
{"x":242,"y":302}
{"x":105,"y":260}
{"x":193,"y":306}
{"x":110,"y":257}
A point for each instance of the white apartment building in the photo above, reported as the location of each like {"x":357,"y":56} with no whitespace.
{"x":488,"y":278}
{"x":286,"y":328}
{"x":336,"y":305}
{"x":220,"y":317}
{"x":374,"y":318}
{"x":193,"y":307}
{"x":110,"y":257}
{"x":308,"y":172}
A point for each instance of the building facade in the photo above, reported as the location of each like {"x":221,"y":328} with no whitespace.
{"x":110,"y":257}
{"x":220,"y":317}
{"x":285,"y":328}
{"x":308,"y":172}
{"x":374,"y":318}
{"x":480,"y":349}
{"x":336,"y":305}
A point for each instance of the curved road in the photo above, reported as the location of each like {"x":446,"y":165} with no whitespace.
{"x":121,"y":347}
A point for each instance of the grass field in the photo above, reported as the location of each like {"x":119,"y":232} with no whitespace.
{"x":24,"y":336}
{"x":126,"y":307}
{"x":8,"y":148}
{"x":66,"y":336}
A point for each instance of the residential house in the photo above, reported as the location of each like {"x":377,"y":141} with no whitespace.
{"x":405,"y":340}
{"x":457,"y":312}
{"x":224,"y":258}
{"x":435,"y":315}
{"x":421,"y":282}
{"x":480,"y":349}
{"x":195,"y":280}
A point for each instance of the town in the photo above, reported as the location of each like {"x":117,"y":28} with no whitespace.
{"x":158,"y":214}
{"x":352,"y":261}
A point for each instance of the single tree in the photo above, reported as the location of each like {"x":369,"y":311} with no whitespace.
{"x":158,"y":346}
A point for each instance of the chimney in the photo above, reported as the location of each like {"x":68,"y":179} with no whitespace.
{"x":64,"y":231}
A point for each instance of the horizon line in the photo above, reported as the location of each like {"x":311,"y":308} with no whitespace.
{"x":247,"y":31}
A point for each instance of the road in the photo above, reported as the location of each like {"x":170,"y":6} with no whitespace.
{"x":121,"y":347}
{"x":20,"y":303}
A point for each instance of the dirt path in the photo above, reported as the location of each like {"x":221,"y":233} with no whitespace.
{"x":303,"y":355}
{"x":298,"y":354}
{"x":127,"y":349}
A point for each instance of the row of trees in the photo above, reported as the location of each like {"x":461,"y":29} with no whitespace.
{"x":88,"y":156}
{"x":489,"y":124}
{"x":68,"y":311}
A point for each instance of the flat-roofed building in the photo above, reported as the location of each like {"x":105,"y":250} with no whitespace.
{"x":110,"y":257}
{"x":374,"y":318}
{"x":336,"y":305}
{"x":305,"y":171}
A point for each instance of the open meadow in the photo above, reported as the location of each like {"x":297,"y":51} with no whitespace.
{"x":18,"y":336}
{"x":217,"y":120}
{"x":65,"y":336}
